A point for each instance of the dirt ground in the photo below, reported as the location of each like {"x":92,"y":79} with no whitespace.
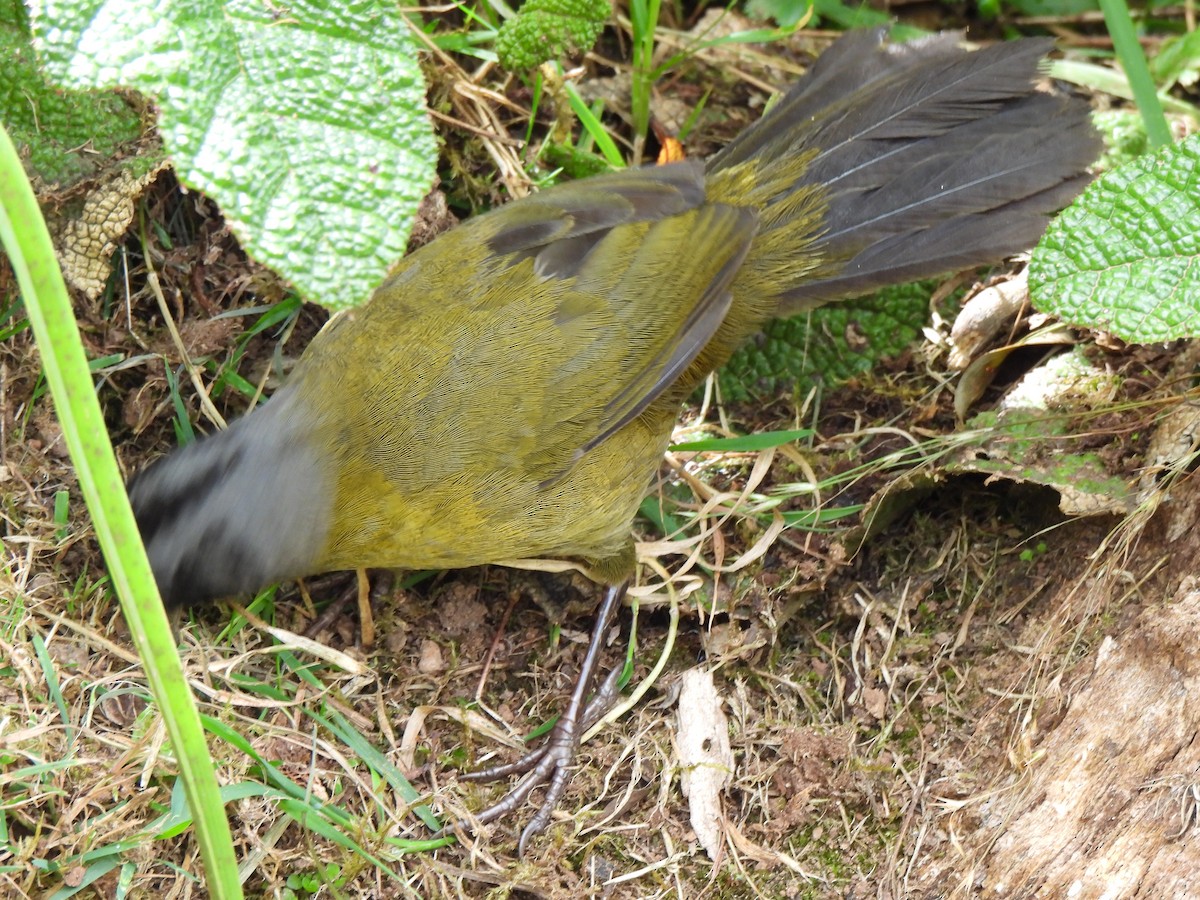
{"x":989,"y":698}
{"x":983,"y":696}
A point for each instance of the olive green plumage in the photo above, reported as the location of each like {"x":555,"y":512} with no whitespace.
{"x":509,"y":390}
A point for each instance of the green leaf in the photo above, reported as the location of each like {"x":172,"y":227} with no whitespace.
{"x":63,"y":136}
{"x":1177,"y":61}
{"x":306,"y":123}
{"x":1122,"y":258}
{"x":545,"y":29}
{"x":1125,"y":137}
{"x":831,"y":345}
{"x":783,"y":12}
{"x":850,"y":14}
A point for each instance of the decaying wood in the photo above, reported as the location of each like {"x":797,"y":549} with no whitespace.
{"x":1110,"y":809}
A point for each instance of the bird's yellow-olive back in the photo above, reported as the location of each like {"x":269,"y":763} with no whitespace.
{"x":479,"y":435}
{"x":509,"y":390}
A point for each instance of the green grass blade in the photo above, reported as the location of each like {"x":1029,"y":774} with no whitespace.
{"x":748,"y":443}
{"x":594,"y":128}
{"x":340,"y":727}
{"x":53,"y":687}
{"x":25,"y":237}
{"x":1133,"y":61}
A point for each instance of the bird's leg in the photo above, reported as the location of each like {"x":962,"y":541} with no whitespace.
{"x":552,"y":761}
{"x":365,"y":594}
{"x":366,"y":619}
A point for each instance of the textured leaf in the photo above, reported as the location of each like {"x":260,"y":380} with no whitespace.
{"x":1125,"y":137}
{"x":1122,"y":258}
{"x":304,"y":122}
{"x":63,"y":136}
{"x":833,"y":344}
{"x":545,"y":29}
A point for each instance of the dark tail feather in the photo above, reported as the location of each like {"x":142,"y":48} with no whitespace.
{"x":932,"y":158}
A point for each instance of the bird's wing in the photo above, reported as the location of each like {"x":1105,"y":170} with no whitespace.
{"x":644,"y":266}
{"x":528,"y":336}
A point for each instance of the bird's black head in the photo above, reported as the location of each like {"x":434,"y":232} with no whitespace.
{"x":235,"y":512}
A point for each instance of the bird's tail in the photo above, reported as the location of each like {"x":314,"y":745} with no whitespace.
{"x":894,"y":162}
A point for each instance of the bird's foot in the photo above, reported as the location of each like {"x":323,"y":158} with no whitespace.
{"x":551,"y":763}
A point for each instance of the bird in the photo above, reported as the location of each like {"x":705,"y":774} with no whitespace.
{"x":509,"y":390}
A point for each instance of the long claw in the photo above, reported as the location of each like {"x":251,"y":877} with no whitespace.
{"x":552,"y":761}
{"x":600,"y":704}
{"x":558,"y":784}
